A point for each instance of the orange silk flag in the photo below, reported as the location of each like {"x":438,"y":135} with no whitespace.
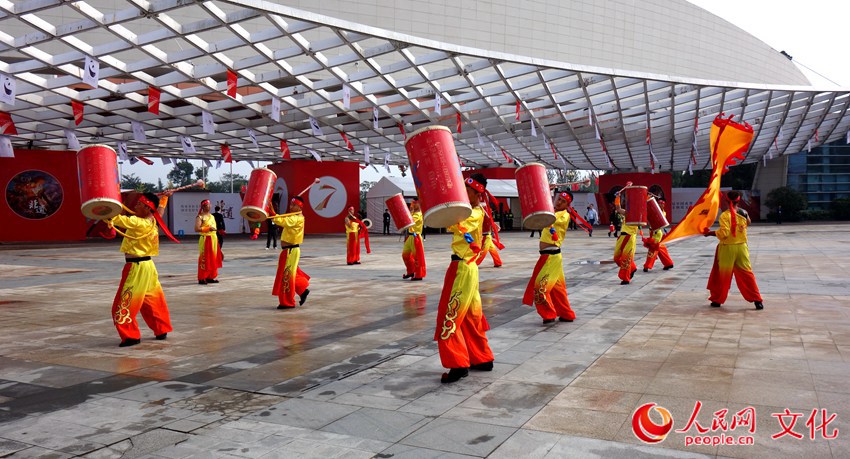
{"x":729,"y":142}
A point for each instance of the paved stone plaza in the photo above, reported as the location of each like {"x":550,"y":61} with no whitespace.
{"x":355,"y":373}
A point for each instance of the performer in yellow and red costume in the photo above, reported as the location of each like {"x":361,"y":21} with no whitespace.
{"x":209,"y":253}
{"x":624,"y":250}
{"x":547,"y":289}
{"x":289,"y":279}
{"x":139,"y":289}
{"x":461,"y":325}
{"x":352,"y":234}
{"x":491,"y":244}
{"x":413,"y":252}
{"x":655,"y":248}
{"x":732,"y":257}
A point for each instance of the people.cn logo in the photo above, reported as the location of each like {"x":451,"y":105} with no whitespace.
{"x":646,"y":429}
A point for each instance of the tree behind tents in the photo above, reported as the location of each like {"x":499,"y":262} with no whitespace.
{"x":181,"y":174}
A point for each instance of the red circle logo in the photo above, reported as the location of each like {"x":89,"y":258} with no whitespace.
{"x":646,"y":429}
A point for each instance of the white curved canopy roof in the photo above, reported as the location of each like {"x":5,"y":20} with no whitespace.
{"x":595,"y":118}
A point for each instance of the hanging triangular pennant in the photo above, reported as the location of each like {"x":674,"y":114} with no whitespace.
{"x":253,"y":136}
{"x":165,"y":160}
{"x":690,"y":169}
{"x":251,"y":163}
{"x":7,"y":126}
{"x":73,"y":143}
{"x":145,"y":160}
{"x":207,"y":122}
{"x":652,"y":160}
{"x":817,"y":138}
{"x":458,"y":124}
{"x":8,"y":85}
{"x":346,"y":97}
{"x":495,"y":150}
{"x":232,"y":83}
{"x":188,"y":145}
{"x":552,"y":146}
{"x":315,"y":155}
{"x":348,"y":144}
{"x":375,"y":118}
{"x":507,"y":158}
{"x":314,"y":125}
{"x":781,"y":135}
{"x":225,"y":153}
{"x":481,"y":141}
{"x":517,"y":110}
{"x":138,"y":132}
{"x":122,"y":151}
{"x":387,"y":162}
{"x":545,"y":141}
{"x":847,"y":137}
{"x":78,"y":108}
{"x":438,"y":105}
{"x":218,"y":164}
{"x":533,"y":129}
{"x":207,"y":162}
{"x":133,"y":160}
{"x":154,"y":96}
{"x":284,"y":149}
{"x":590,"y":116}
{"x":809,"y":146}
{"x":366,"y":154}
{"x":564,"y":162}
{"x":91,"y":72}
{"x":401,"y":128}
{"x":275,"y":114}
{"x":598,"y":134}
{"x":6,"y":150}
{"x":376,"y":169}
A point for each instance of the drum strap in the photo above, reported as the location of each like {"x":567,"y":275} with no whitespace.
{"x":289,"y":247}
{"x":552,"y":251}
{"x":137,"y":260}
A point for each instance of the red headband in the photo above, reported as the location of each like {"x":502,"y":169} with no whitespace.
{"x":297,"y":199}
{"x":472,"y":183}
{"x":147,"y":202}
{"x":566,"y":196}
{"x":205,"y":201}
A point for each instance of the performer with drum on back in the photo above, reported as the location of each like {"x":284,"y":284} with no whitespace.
{"x":657,"y":217}
{"x":624,"y":250}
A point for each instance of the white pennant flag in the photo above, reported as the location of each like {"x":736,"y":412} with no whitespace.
{"x":276,"y":109}
{"x":608,"y":160}
{"x":809,"y":146}
{"x":780,"y":134}
{"x":207,"y":122}
{"x":188,"y":145}
{"x":91,"y":72}
{"x":690,"y":168}
{"x":73,"y":143}
{"x":376,"y":169}
{"x":495,"y":151}
{"x":375,"y":119}
{"x":764,"y":160}
{"x":533,"y":129}
{"x":7,"y":95}
{"x":218,"y":164}
{"x":590,"y":116}
{"x":138,"y":132}
{"x":564,"y":162}
{"x":253,"y":137}
{"x":598,"y":135}
{"x":848,"y":136}
{"x":251,"y":163}
{"x":6,"y":150}
{"x":314,"y":124}
{"x":366,"y":154}
{"x":438,"y":106}
{"x":166,"y":160}
{"x":315,"y":155}
{"x":346,"y":97}
{"x":207,"y":163}
{"x":122,"y":151}
{"x":481,"y":141}
{"x":387,"y":162}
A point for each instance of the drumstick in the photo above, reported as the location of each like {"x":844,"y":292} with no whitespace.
{"x":283,"y":215}
{"x":199,"y":183}
{"x":628,"y":185}
{"x":308,"y":187}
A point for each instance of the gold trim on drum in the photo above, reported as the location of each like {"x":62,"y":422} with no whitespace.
{"x":97,"y":145}
{"x":444,"y":223}
{"x":530,"y":164}
{"x":405,"y":227}
{"x":115,"y":208}
{"x":421,"y":130}
{"x":247,"y":209}
{"x":265,"y":169}
{"x":525,"y":220}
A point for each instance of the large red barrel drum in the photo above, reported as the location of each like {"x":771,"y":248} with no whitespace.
{"x":399,"y":212}
{"x":100,"y":187}
{"x":655,"y":215}
{"x":535,"y":199}
{"x":634,"y":202}
{"x":256,"y":203}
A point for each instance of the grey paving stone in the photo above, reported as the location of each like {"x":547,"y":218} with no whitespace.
{"x":309,"y":414}
{"x":569,"y":446}
{"x":530,"y":444}
{"x":164,"y":392}
{"x":461,"y":437}
{"x":411,"y":452}
{"x":10,"y":446}
{"x":378,"y":424}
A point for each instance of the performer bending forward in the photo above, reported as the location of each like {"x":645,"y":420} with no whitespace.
{"x":139,"y":289}
{"x":547,"y":289}
{"x":413,"y":253}
{"x":289,"y":279}
{"x":461,"y":325}
{"x":732,"y":257}
{"x":210,"y":256}
{"x":656,"y":248}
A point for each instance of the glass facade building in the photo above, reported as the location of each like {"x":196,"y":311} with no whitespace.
{"x":822,"y":175}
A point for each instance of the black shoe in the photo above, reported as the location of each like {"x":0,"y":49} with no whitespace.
{"x":454,"y":374}
{"x":715,"y":305}
{"x":162,"y":336}
{"x":548,"y":321}
{"x":486,"y":366}
{"x":590,"y":233}
{"x":759,"y":305}
{"x":561,"y":319}
{"x":667,"y":268}
{"x":624,"y":282}
{"x":129,"y":342}
{"x":416,"y":279}
{"x":632,"y":275}
{"x":212,"y":281}
{"x":646,"y":270}
{"x":202,"y":282}
{"x":356,"y":263}
{"x":280,"y":306}
{"x":407,"y":276}
{"x":497,"y":266}
{"x":303,"y":297}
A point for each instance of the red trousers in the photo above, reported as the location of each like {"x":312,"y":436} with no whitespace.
{"x":729,"y":260}
{"x":461,"y":325}
{"x":210,"y":257}
{"x":624,"y":256}
{"x":413,"y":255}
{"x":352,"y":252}
{"x":289,"y":279}
{"x":661,"y":253}
{"x":547,"y":289}
{"x":140,"y":291}
{"x":489,"y":247}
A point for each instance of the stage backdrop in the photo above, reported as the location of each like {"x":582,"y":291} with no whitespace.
{"x":327,"y":203}
{"x":42,"y":197}
{"x":659,"y":184}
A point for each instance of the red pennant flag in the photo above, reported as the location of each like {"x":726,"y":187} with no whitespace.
{"x":78,"y":108}
{"x":555,"y":153}
{"x":153,"y":100}
{"x":817,"y":139}
{"x":574,"y":187}
{"x":145,"y":160}
{"x":225,"y":153}
{"x":459,"y":124}
{"x":284,"y":148}
{"x":232,"y":83}
{"x":347,"y":142}
{"x":7,"y":126}
{"x":401,"y":127}
{"x":508,"y":158}
{"x":648,"y":138}
{"x":517,"y":110}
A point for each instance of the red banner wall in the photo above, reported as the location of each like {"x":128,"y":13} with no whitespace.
{"x":41,"y":197}
{"x":327,"y":203}
{"x":659,"y":184}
